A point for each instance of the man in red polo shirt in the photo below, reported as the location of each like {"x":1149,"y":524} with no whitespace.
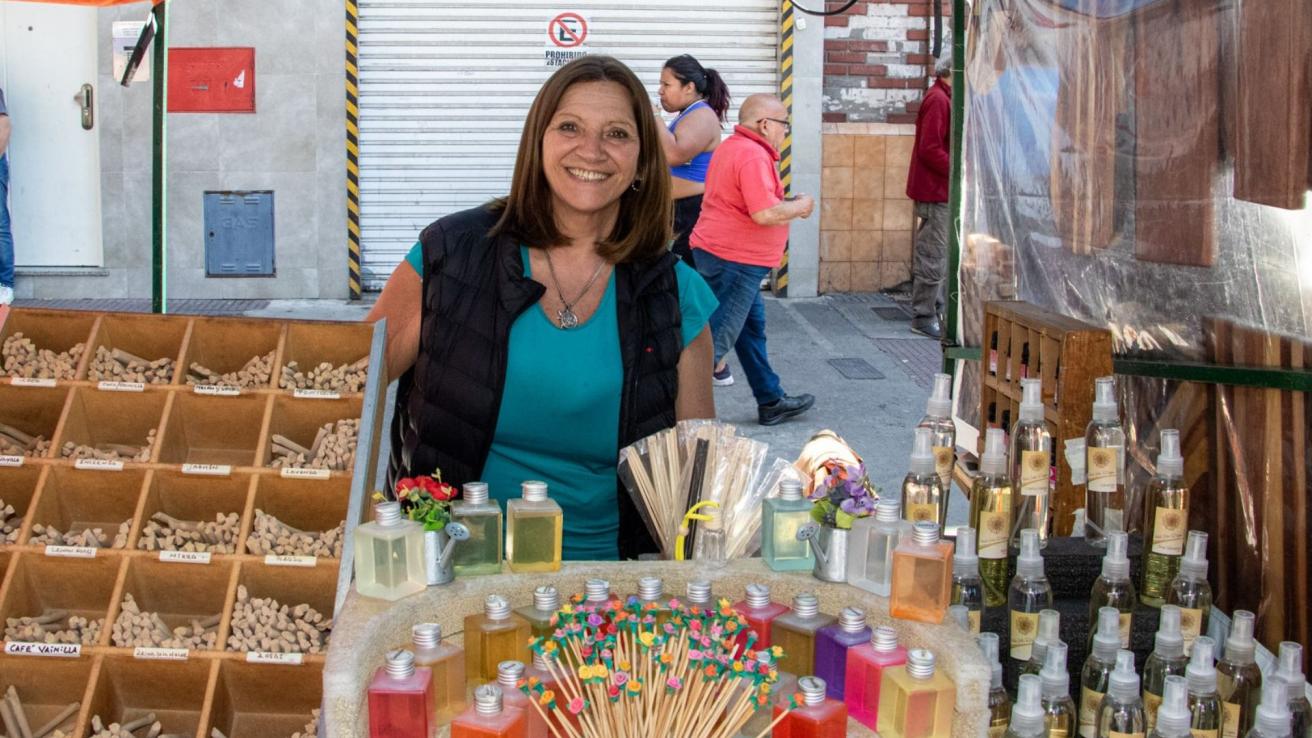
{"x":739,"y":238}
{"x":927,"y":184}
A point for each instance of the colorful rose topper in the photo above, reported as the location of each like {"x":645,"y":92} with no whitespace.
{"x":426,"y":500}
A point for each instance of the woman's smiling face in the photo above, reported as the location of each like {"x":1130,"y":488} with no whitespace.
{"x":590,"y":150}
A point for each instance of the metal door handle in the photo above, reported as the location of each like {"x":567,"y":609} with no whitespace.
{"x":86,"y":98}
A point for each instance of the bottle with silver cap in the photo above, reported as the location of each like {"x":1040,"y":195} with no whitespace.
{"x":497,"y":634}
{"x":1238,"y":678}
{"x":780,"y":520}
{"x":1060,"y":714}
{"x":546,"y":601}
{"x":760,"y":612}
{"x":967,"y":586}
{"x":917,"y":699}
{"x":482,"y":553}
{"x":509,"y":675}
{"x":923,"y":495}
{"x":922,"y":575}
{"x":1291,"y":671}
{"x":697,"y":592}
{"x":1096,"y":673}
{"x":653,"y":600}
{"x":943,"y":431}
{"x":401,"y":698}
{"x":447,"y":662}
{"x":1190,"y":591}
{"x":1205,"y":711}
{"x":1104,"y":447}
{"x":1167,"y":659}
{"x":815,"y":716}
{"x":780,"y":692}
{"x":991,"y":501}
{"x":866,"y":665}
{"x":1121,"y":712}
{"x":834,"y":642}
{"x":534,"y":526}
{"x":389,"y":555}
{"x":999,"y":702}
{"x":1114,"y":587}
{"x":795,"y":632}
{"x":488,"y":717}
{"x":873,"y":540}
{"x":1166,"y":521}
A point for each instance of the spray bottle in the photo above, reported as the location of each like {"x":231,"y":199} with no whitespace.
{"x":990,"y":514}
{"x":1171,"y":720}
{"x":1272,"y":716}
{"x":1291,"y":671}
{"x":1122,"y":710}
{"x":1104,"y":444}
{"x":1049,"y":633}
{"x":999,"y":704}
{"x":1166,"y":517}
{"x":1029,"y":593}
{"x":1027,"y":716}
{"x":943,"y":432}
{"x":1190,"y":591}
{"x":1059,"y":710}
{"x":1114,"y":588}
{"x":924,"y":498}
{"x":1239,"y":680}
{"x":1166,"y":660}
{"x":1205,"y":713}
{"x":1031,"y":465}
{"x":967,"y":589}
{"x":1096,"y":674}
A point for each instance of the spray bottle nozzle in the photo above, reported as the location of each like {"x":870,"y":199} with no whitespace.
{"x":1124,"y":683}
{"x":1169,"y":461}
{"x":1173,"y":714}
{"x":1031,"y":402}
{"x":1291,"y":667}
{"x":1170,"y":641}
{"x":1049,"y":628}
{"x":1056,"y":680}
{"x":940,"y":400}
{"x":1239,"y":646}
{"x":1194,"y":562}
{"x":1273,"y":716}
{"x":922,"y":452}
{"x":1116,"y":562}
{"x":965,"y":559}
{"x":1104,"y":399}
{"x":1201,"y":670}
{"x":988,"y":643}
{"x":1030,"y":562}
{"x":994,"y":458}
{"x":1107,"y":639}
{"x":1027,"y":714}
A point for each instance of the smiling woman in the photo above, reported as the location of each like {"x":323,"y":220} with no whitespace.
{"x":537,"y":335}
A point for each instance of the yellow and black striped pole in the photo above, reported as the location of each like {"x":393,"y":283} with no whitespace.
{"x":352,"y":149}
{"x":779,"y":283}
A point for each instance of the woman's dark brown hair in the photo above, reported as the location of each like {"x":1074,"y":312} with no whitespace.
{"x":645,"y":223}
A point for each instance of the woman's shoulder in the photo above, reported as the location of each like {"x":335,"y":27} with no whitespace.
{"x":462,"y":226}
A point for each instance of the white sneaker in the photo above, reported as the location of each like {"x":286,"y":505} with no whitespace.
{"x":6,"y":295}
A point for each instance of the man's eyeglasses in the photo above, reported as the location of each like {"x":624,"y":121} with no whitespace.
{"x":788,"y":127}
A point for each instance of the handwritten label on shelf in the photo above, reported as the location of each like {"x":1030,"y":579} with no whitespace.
{"x":284,"y":560}
{"x":98,"y":464}
{"x":32,"y":382}
{"x":121,"y":387}
{"x":72,"y":552}
{"x":207,"y":470}
{"x":316,"y":394}
{"x":160,"y":654}
{"x":11,"y":460}
{"x":185,"y":557}
{"x":265,"y":657}
{"x":289,"y":472}
{"x":59,"y":650}
{"x":215,"y":390}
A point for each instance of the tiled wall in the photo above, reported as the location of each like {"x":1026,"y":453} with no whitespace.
{"x":866,"y":220}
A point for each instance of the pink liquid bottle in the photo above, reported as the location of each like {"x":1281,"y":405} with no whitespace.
{"x":866,"y":665}
{"x":509,"y":674}
{"x":401,"y":699}
{"x":816,"y":717}
{"x":759,"y":612}
{"x":488,"y":717}
{"x":832,"y":644}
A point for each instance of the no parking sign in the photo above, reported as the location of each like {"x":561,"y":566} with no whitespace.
{"x":567,"y":33}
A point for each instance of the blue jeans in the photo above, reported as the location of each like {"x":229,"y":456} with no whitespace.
{"x":739,"y":321}
{"x":6,"y":237}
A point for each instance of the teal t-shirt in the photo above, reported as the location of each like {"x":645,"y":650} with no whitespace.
{"x":560,"y":411}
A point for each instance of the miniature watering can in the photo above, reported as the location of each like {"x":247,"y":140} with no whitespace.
{"x":439,"y":545}
{"x":830,"y":548}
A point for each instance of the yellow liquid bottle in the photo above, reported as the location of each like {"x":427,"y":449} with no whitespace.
{"x":916,"y":700}
{"x":1166,"y":522}
{"x":546,"y":601}
{"x":447,"y":662}
{"x":481,"y":554}
{"x":534,"y":530}
{"x":493,"y":636}
{"x":795,"y":633}
{"x":990,"y":515}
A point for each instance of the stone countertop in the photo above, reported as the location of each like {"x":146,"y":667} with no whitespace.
{"x":365,"y":628}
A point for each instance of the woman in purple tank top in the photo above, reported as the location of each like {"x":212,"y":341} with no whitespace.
{"x":701,"y":99}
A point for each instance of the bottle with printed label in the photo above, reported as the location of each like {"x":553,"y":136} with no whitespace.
{"x":1238,"y":679}
{"x":780,"y":520}
{"x":873,"y":540}
{"x":447,"y":664}
{"x":943,"y":431}
{"x":1272,"y":718}
{"x":967,"y":587}
{"x":832,"y":645}
{"x":815,"y":717}
{"x":866,"y":665}
{"x":1291,"y":671}
{"x":509,"y":675}
{"x":990,"y":514}
{"x":533,"y":535}
{"x":546,"y":601}
{"x":1166,"y":521}
{"x":1097,"y":669}
{"x":389,"y":555}
{"x":760,"y":613}
{"x":1029,"y":593}
{"x":497,"y":634}
{"x":1205,"y":711}
{"x":916,"y":699}
{"x":1060,"y":714}
{"x":924,"y":498}
{"x":1049,"y":633}
{"x":401,"y":699}
{"x":1121,"y":714}
{"x":1114,"y":588}
{"x":1104,"y":444}
{"x":1190,"y":591}
{"x":488,"y":717}
{"x":1172,"y":718}
{"x":1027,"y":718}
{"x":1031,"y":465}
{"x":1167,"y":659}
{"x":795,"y":632}
{"x":922,"y":575}
{"x":999,"y":703}
{"x":482,"y":552}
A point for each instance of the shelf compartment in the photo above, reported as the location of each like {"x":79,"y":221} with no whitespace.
{"x":193,"y":498}
{"x":83,"y":587}
{"x":178,"y":593}
{"x":125,"y":418}
{"x":46,"y":687}
{"x":76,"y":500}
{"x":55,"y":330}
{"x":310,"y":344}
{"x":300,"y":420}
{"x":148,"y":337}
{"x":310,"y":505}
{"x":33,"y":411}
{"x":258,"y":700}
{"x":125,"y":689}
{"x":290,"y":586}
{"x":18,"y":487}
{"x":225,"y":345}
{"x":213,"y":430}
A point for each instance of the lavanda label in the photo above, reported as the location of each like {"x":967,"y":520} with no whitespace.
{"x":265,"y":657}
{"x":185,"y":557}
{"x":98,"y":464}
{"x":207,"y":470}
{"x":283,"y":560}
{"x":108,"y":386}
{"x":316,"y":394}
{"x":289,"y":472}
{"x":32,"y":382}
{"x":57,"y":650}
{"x":160,"y":654}
{"x":11,"y":460}
{"x":72,"y":552}
{"x":215,"y":390}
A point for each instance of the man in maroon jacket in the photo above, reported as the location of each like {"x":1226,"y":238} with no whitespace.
{"x":927,"y":184}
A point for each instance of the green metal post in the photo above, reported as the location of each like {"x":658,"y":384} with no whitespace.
{"x":959,"y":19}
{"x":159,"y":175}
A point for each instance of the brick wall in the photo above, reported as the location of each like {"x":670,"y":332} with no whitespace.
{"x":877,"y":62}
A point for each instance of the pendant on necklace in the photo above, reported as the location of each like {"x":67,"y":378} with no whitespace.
{"x":567,"y":318}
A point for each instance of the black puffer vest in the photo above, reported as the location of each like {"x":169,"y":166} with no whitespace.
{"x":473,"y":290}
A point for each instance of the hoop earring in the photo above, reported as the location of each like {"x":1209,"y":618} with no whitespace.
{"x":636,"y":186}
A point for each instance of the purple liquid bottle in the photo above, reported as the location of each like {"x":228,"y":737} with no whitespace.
{"x":831,"y":645}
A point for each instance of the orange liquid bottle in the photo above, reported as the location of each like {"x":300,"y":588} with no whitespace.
{"x":922,"y":575}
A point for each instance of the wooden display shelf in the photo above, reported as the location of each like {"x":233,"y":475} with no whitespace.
{"x":124,"y":689}
{"x":259,"y":700}
{"x":225,"y":345}
{"x":310,"y":344}
{"x":33,"y":410}
{"x":56,"y":330}
{"x":225,"y":431}
{"x":18,"y":486}
{"x":149,"y":337}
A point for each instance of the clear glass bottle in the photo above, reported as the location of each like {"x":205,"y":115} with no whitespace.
{"x":795,"y":632}
{"x":1205,"y":711}
{"x":493,"y":636}
{"x":760,"y":613}
{"x":967,"y":587}
{"x":943,"y":432}
{"x":1049,"y":632}
{"x":1166,"y":521}
{"x":1060,"y":715}
{"x":1172,"y":718}
{"x":597,"y":592}
{"x":999,"y":702}
{"x":482,"y":553}
{"x":960,"y":615}
{"x":389,"y":555}
{"x":923,"y":495}
{"x":509,"y":675}
{"x":1190,"y":590}
{"x":534,"y":530}
{"x":1272,"y":718}
{"x":1027,"y":717}
{"x":922,"y":575}
{"x":866,"y":665}
{"x":780,"y":520}
{"x":1167,"y":659}
{"x":1291,"y":671}
{"x":1029,"y":593}
{"x":816,"y":717}
{"x":651,"y":593}
{"x":546,"y":601}
{"x":447,"y":664}
{"x":916,"y":699}
{"x":780,"y":692}
{"x":832,"y":644}
{"x":712,"y":543}
{"x":1114,"y":588}
{"x":1238,"y":678}
{"x":401,"y":699}
{"x":1097,"y":669}
{"x":1121,"y":712}
{"x":1031,"y":466}
{"x":488,"y":717}
{"x":990,"y":514}
{"x":1104,"y":443}
{"x":872,"y":541}
{"x":697,"y":593}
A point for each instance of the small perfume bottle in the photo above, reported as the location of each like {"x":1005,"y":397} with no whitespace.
{"x":401,"y":699}
{"x":1291,"y":671}
{"x":1114,"y":588}
{"x":481,"y":554}
{"x":1272,"y":717}
{"x":493,"y":636}
{"x":999,"y":703}
{"x":1059,"y":711}
{"x":943,"y":431}
{"x":873,"y":539}
{"x":990,"y":514}
{"x":832,"y":644}
{"x":1190,"y":590}
{"x":1097,"y":671}
{"x":760,"y":613}
{"x":922,"y":576}
{"x":509,"y":675}
{"x":542,"y":670}
{"x":488,"y":717}
{"x":546,"y":601}
{"x":389,"y":555}
{"x":1031,"y":465}
{"x":651,"y":597}
{"x":1166,"y":521}
{"x":1027,"y":718}
{"x":1104,"y":443}
{"x":816,"y":717}
{"x":1239,"y":680}
{"x":784,"y":688}
{"x":1030,"y":592}
{"x":1167,"y":659}
{"x":780,"y":520}
{"x":534,"y":530}
{"x":712,"y":542}
{"x":1121,"y":712}
{"x":916,"y":700}
{"x":697,"y":593}
{"x":1205,"y":711}
{"x":866,"y":665}
{"x":597,"y":592}
{"x":1049,"y":632}
{"x":923,"y":496}
{"x":1172,"y":718}
{"x":447,"y":663}
{"x":795,"y":633}
{"x":967,"y":587}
